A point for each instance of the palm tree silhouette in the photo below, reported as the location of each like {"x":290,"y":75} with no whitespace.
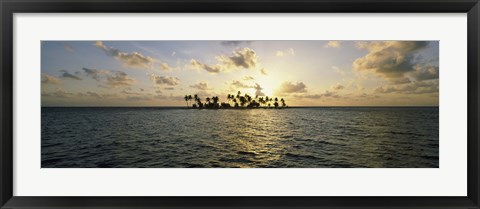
{"x":186,"y":99}
{"x":238,"y":101}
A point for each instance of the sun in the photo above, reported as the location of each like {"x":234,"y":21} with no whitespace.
{"x":268,"y":85}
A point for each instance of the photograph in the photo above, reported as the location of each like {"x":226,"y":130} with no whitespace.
{"x":239,"y":103}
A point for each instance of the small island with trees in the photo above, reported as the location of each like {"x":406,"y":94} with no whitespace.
{"x":237,"y":101}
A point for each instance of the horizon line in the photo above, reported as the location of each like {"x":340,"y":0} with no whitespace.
{"x":331,"y":106}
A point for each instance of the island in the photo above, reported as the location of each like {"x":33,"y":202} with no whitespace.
{"x":237,"y":101}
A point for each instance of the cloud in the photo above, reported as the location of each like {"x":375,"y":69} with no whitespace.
{"x":133,"y":60}
{"x":263,"y":71}
{"x":119,"y":79}
{"x":258,"y":90}
{"x":94,"y":94}
{"x":420,"y":87}
{"x":58,"y":93}
{"x":425,"y":73}
{"x":338,"y":70}
{"x":326,"y":94}
{"x":248,"y":78}
{"x":68,"y":47}
{"x":400,"y":80}
{"x":170,"y":97}
{"x":165,"y":80}
{"x":210,"y":68}
{"x":391,"y":60}
{"x":365,"y":95}
{"x":139,"y":98}
{"x":285,"y":53}
{"x":333,"y":44}
{"x":67,"y":75}
{"x":200,"y":86}
{"x":245,"y":58}
{"x":338,"y":87}
{"x":107,"y":78}
{"x":239,"y":84}
{"x":129,"y":92}
{"x":95,"y":73}
{"x":49,"y":79}
{"x":164,"y":66}
{"x":289,"y":87}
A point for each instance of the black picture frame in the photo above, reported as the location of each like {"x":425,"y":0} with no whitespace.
{"x":10,"y":7}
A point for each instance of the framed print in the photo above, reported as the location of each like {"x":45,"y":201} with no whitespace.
{"x":265,"y":104}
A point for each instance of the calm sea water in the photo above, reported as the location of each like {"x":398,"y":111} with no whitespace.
{"x":293,"y":137}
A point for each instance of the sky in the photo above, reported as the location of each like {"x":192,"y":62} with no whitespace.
{"x":304,"y":73}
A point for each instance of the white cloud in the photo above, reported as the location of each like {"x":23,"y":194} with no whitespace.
{"x":200,"y":86}
{"x":239,"y":84}
{"x":248,"y":78}
{"x":245,"y":58}
{"x":209,"y":68}
{"x":263,"y":71}
{"x":420,"y":87}
{"x":165,"y":80}
{"x":338,"y":87}
{"x":333,"y":44}
{"x":58,"y":93}
{"x":391,"y":60}
{"x":49,"y":79}
{"x":133,"y":60}
{"x":284,"y":53}
{"x":258,"y":90}
{"x":119,"y":79}
{"x":289,"y":87}
{"x":338,"y":70}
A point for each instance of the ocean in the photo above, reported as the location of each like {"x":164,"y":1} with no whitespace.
{"x":313,"y":137}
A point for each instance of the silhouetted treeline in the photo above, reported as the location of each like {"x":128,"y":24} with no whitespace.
{"x":234,"y":101}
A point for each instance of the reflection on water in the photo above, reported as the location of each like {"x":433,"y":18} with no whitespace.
{"x":294,"y":137}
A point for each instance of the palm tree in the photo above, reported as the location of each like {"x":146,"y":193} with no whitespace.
{"x":189,"y":99}
{"x":238,"y":101}
{"x":215,"y":101}
{"x":186,"y":99}
{"x":242,"y":101}
{"x":249,"y":98}
{"x":235,"y":102}
{"x":260,"y":100}
{"x":199,"y":102}
{"x":228,"y":98}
